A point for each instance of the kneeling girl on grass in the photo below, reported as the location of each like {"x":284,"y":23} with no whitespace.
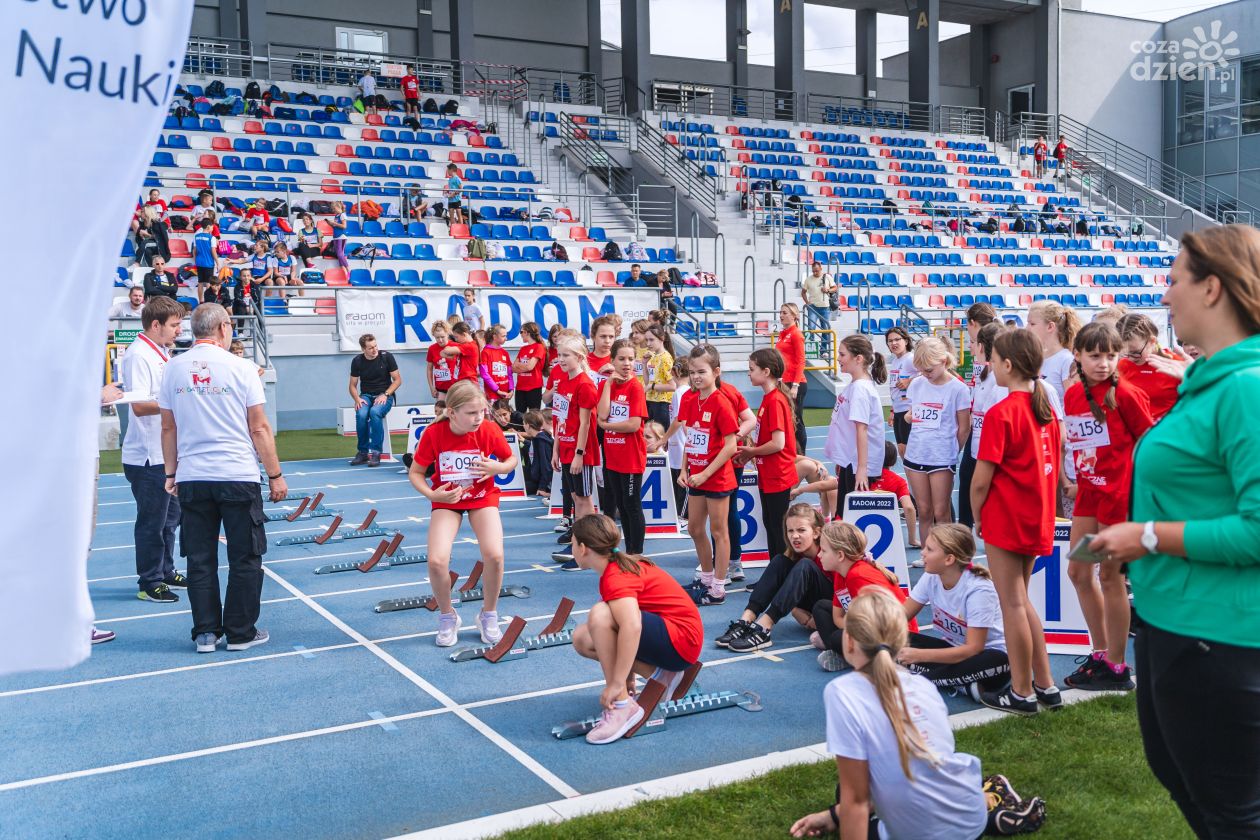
{"x":645,"y":623}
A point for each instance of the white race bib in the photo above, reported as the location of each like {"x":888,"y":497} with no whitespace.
{"x":1085,"y":432}
{"x":618,"y":411}
{"x":457,"y":466}
{"x":697,"y":441}
{"x":977,"y":422}
{"x":842,"y":595}
{"x":926,"y":415}
{"x":596,"y":378}
{"x":953,"y":629}
{"x":499,"y":370}
{"x":560,"y":407}
{"x":441,"y":374}
{"x":638,"y":368}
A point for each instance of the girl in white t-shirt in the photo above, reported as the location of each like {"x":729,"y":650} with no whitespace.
{"x":901,"y":370}
{"x":970,"y":651}
{"x":1055,"y":326}
{"x":889,"y":731}
{"x":855,"y":439}
{"x":940,"y":420}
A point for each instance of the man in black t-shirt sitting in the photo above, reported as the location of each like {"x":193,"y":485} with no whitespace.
{"x":374,"y":378}
{"x":159,"y":282}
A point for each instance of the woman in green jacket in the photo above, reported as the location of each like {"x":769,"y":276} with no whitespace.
{"x":1193,"y":547}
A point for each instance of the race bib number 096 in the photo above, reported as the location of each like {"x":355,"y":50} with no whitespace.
{"x":457,"y":466}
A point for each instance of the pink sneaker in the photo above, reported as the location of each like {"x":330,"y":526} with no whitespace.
{"x":101,"y":636}
{"x":614,"y":723}
{"x":815,"y":639}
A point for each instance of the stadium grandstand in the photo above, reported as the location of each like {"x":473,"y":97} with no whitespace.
{"x":621,"y":208}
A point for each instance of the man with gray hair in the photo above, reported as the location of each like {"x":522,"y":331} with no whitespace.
{"x":214,"y":432}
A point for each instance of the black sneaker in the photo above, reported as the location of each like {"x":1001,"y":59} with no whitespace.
{"x":1017,"y":818}
{"x":374,"y":459}
{"x":1006,"y":701}
{"x":705,"y":598}
{"x":570,"y":566}
{"x":561,"y":557}
{"x":1050,"y":697}
{"x":565,"y":538}
{"x":407,"y":459}
{"x":999,"y":792}
{"x":734,"y":630}
{"x":160,"y":593}
{"x":177,"y":581}
{"x":1103,"y":678}
{"x":755,"y":639}
{"x":359,"y":459}
{"x":1086,"y":666}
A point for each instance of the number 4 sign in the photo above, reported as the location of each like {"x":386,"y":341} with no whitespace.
{"x":1054,"y":597}
{"x":657,"y":496}
{"x":878,"y":516}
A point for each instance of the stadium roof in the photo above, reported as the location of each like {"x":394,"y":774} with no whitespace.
{"x":969,"y":12}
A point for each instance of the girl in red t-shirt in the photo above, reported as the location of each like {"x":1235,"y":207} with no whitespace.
{"x":1149,"y":367}
{"x":622,"y":411}
{"x":842,"y":553}
{"x":639,"y":600}
{"x":791,"y":344}
{"x":1013,"y":495}
{"x":466,"y":453}
{"x":1104,"y":416}
{"x":530,"y":368}
{"x":496,"y":365}
{"x":463,"y":353}
{"x":773,"y":446}
{"x":576,"y":455}
{"x":709,"y":422}
{"x":441,"y":370}
{"x":792,"y":583}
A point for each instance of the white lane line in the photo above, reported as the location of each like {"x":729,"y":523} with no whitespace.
{"x":527,"y":761}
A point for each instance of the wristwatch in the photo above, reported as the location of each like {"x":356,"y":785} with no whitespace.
{"x":580,"y":451}
{"x":1149,"y":540}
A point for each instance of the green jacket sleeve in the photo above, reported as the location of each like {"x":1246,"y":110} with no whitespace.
{"x":1233,"y":539}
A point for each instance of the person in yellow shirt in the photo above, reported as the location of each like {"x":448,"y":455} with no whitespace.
{"x":659,"y":374}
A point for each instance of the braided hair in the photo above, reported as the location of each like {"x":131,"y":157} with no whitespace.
{"x":1098,"y":336}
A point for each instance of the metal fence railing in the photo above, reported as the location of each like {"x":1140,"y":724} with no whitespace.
{"x":673,"y":96}
{"x":688,"y":175}
{"x":219,"y":57}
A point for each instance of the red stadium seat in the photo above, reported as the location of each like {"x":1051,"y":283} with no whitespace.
{"x":209,"y":162}
{"x":221,"y":144}
{"x":460,"y":232}
{"x":371,"y":135}
{"x":593,"y":255}
{"x":344,"y":150}
{"x":478,"y":277}
{"x":336,"y":277}
{"x":374,"y":119}
{"x":476,"y":141}
{"x":457,"y":157}
{"x":331,"y":186}
{"x":578,"y":234}
{"x":179,"y":249}
{"x":605,"y":278}
{"x":196,"y":181}
{"x":253,"y":127}
{"x":338,"y":167}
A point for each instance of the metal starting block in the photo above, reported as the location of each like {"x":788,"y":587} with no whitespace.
{"x":470,"y":591}
{"x":427,"y":602}
{"x":310,"y":508}
{"x":559,"y":631}
{"x":386,"y":548}
{"x":333,"y":535}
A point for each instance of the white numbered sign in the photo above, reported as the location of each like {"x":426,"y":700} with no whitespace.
{"x":877,"y":515}
{"x":418,"y":424}
{"x":512,"y":485}
{"x":752,"y":529}
{"x":657,"y":495}
{"x":1054,"y":597}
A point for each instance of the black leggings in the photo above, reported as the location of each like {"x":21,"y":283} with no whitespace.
{"x":305,"y":252}
{"x":825,"y":624}
{"x":607,"y":504}
{"x":658,"y":412}
{"x":625,"y":489}
{"x":528,"y":400}
{"x":989,"y":667}
{"x":1196,"y":703}
{"x":802,"y":438}
{"x":732,"y":520}
{"x":773,"y":508}
{"x":786,"y":585}
{"x":680,"y":492}
{"x":965,"y":471}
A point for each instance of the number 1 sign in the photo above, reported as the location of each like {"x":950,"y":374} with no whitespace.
{"x":1054,"y":597}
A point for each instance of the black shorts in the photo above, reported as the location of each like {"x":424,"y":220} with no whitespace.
{"x":585,"y":483}
{"x":655,"y":647}
{"x":901,"y":427}
{"x":454,"y":204}
{"x":929,"y":469}
{"x":711,"y":494}
{"x":205,"y":273}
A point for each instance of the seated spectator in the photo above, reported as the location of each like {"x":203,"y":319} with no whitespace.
{"x":310,"y":242}
{"x":151,"y":238}
{"x":216,"y":292}
{"x":160,"y":282}
{"x":257,"y":220}
{"x":284,"y":273}
{"x":374,"y":377}
{"x":205,"y":204}
{"x":417,"y":204}
{"x":131,"y":307}
{"x":155,"y":201}
{"x":262,"y":266}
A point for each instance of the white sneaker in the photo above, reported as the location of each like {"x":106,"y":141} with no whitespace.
{"x":488,"y":623}
{"x":565,"y":524}
{"x":448,"y":629}
{"x":917,"y":564}
{"x":260,"y":638}
{"x":831,"y":661}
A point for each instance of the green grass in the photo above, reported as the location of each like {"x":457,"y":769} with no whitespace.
{"x":1085,"y":761}
{"x":292,"y":446}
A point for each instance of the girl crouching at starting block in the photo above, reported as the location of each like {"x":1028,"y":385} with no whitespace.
{"x":645,"y":623}
{"x":970,"y":652}
{"x":461,"y":446}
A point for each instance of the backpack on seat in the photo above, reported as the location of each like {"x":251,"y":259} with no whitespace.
{"x":253,"y":91}
{"x":558,"y":252}
{"x":430,"y":106}
{"x":216,"y":89}
{"x":477,"y":249}
{"x":612,"y":252}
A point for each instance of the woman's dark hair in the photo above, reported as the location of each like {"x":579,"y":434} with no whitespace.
{"x":601,"y":535}
{"x":770,"y":359}
{"x":860,"y":345}
{"x":1095,"y":337}
{"x":619,"y":344}
{"x":1231,"y":253}
{"x":985,"y":338}
{"x":659,"y":333}
{"x":803,"y":511}
{"x":905,"y":336}
{"x":532,"y":331}
{"x":711,"y":357}
{"x":1022,"y":349}
{"x":981,"y":313}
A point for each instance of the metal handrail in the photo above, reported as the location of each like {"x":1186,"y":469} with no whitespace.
{"x":724,"y":100}
{"x":219,"y":57}
{"x":687,"y":174}
{"x":748,"y":260}
{"x":896,"y":114}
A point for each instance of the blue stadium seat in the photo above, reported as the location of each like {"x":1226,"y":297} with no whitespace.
{"x":522,"y":277}
{"x":564,"y":277}
{"x":409,"y":277}
{"x":543,"y":277}
{"x":500,"y":278}
{"x":432,"y":277}
{"x":385,"y":277}
{"x":359,"y":277}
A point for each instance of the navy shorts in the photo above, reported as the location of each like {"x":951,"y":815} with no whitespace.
{"x":711,"y":494}
{"x":655,"y":648}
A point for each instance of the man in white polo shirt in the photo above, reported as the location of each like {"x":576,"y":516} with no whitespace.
{"x":157,"y":512}
{"x":213,"y":423}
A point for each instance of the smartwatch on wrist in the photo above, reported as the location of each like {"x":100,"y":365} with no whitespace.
{"x":171,"y":477}
{"x":580,"y":451}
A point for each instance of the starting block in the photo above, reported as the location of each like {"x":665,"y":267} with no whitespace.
{"x":686,"y":701}
{"x":559,"y":631}
{"x":427,"y":602}
{"x":310,"y":508}
{"x":332,"y":535}
{"x":470,"y":591}
{"x":382,"y":557}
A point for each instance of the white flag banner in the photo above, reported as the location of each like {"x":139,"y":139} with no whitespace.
{"x":86,"y":87}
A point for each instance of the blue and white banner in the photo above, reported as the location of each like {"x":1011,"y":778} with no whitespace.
{"x":86,"y":85}
{"x":400,"y":319}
